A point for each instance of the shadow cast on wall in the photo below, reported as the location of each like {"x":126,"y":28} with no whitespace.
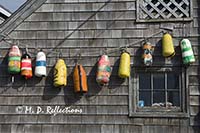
{"x":93,"y":88}
{"x":70,"y":97}
{"x":49,"y":90}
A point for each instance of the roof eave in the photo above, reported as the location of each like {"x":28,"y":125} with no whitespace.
{"x":19,"y":16}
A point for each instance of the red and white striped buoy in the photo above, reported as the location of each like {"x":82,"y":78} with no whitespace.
{"x":26,"y":66}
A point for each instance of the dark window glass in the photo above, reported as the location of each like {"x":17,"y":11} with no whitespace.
{"x":172,"y":81}
{"x":159,"y":97}
{"x":174,"y":98}
{"x":158,"y":81}
{"x":145,"y":81}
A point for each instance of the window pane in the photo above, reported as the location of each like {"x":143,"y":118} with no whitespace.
{"x":144,"y":81}
{"x":159,"y":97}
{"x":145,"y":96}
{"x":174,"y":98}
{"x":158,"y":81}
{"x":172,"y":81}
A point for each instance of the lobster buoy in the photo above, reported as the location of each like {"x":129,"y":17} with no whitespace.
{"x":40,"y":67}
{"x":60,"y":73}
{"x":80,"y":79}
{"x":167,"y":46}
{"x":26,"y":66}
{"x":124,"y":66}
{"x":103,"y":70}
{"x":14,"y":60}
{"x":187,"y":52}
{"x":147,"y":55}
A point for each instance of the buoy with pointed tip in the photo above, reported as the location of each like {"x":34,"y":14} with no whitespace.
{"x":124,"y":66}
{"x":60,"y":74}
{"x":167,"y":46}
{"x":40,"y":67}
{"x":187,"y":52}
{"x":103,"y":70}
{"x":26,"y":66}
{"x":14,"y":60}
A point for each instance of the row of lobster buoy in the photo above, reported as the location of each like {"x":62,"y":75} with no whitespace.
{"x":104,"y":68}
{"x":79,"y":76}
{"x":168,"y":50}
{"x":22,"y":63}
{"x":185,"y":45}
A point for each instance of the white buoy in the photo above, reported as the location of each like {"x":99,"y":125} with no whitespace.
{"x":40,"y":67}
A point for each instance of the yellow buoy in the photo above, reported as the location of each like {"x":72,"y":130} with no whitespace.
{"x":167,"y":46}
{"x":60,"y":73}
{"x":124,"y":66}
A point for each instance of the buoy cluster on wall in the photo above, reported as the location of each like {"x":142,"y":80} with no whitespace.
{"x":22,"y":63}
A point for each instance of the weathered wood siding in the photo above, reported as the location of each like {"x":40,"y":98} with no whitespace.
{"x":1,"y":20}
{"x":104,"y":110}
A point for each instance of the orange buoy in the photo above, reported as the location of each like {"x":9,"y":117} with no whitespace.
{"x":80,"y":79}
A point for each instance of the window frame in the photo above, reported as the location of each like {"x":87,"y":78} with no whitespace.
{"x":134,"y":111}
{"x":140,"y":20}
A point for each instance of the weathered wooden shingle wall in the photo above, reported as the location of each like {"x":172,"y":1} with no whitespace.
{"x":1,"y":20}
{"x":106,"y":109}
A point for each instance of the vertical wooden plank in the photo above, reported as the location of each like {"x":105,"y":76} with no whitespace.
{"x":107,"y":129}
{"x":5,"y":129}
{"x":116,"y":129}
{"x":93,"y":128}
{"x":53,"y":129}
{"x":33,"y":128}
{"x":19,"y":128}
{"x":184,"y":126}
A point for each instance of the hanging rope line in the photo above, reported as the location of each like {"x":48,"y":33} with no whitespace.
{"x":82,"y":24}
{"x":105,"y":51}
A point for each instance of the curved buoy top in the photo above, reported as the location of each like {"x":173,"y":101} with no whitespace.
{"x":41,"y":56}
{"x":15,"y":51}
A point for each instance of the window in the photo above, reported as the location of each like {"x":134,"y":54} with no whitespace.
{"x":164,"y":10}
{"x":158,"y":92}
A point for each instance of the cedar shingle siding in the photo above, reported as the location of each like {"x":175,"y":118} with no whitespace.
{"x":43,"y":24}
